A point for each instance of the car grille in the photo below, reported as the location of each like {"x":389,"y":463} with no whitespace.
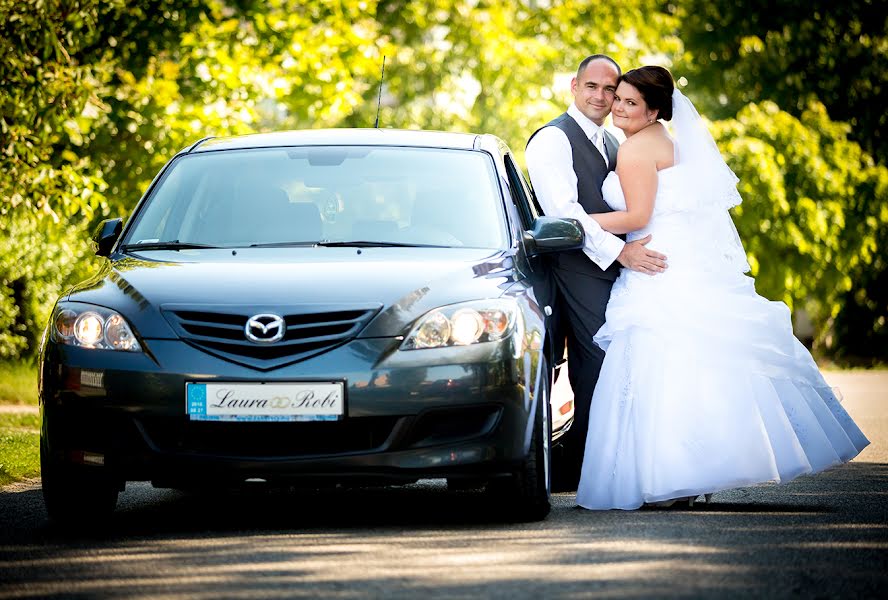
{"x":310,"y":330}
{"x":269,"y":440}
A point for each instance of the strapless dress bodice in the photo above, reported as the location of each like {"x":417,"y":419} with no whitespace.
{"x":667,"y":190}
{"x":694,"y":235}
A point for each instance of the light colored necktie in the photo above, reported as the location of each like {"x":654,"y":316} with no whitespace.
{"x":598,"y":140}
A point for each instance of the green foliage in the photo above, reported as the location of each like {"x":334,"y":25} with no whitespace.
{"x":18,"y":383}
{"x":490,"y":66}
{"x":859,"y":333}
{"x":450,"y":64}
{"x":230,"y":71}
{"x":793,"y":51}
{"x":60,"y":60}
{"x":45,"y":191}
{"x":815,"y":206}
{"x":41,"y":257}
{"x":20,"y":420}
{"x":97,"y":95}
{"x":43,"y":90}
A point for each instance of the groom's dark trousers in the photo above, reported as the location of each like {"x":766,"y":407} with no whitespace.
{"x":581,"y":290}
{"x":579,"y":311}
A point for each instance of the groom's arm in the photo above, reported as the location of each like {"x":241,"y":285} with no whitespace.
{"x":550,"y":164}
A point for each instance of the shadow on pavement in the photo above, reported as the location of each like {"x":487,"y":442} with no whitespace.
{"x":823,"y":536}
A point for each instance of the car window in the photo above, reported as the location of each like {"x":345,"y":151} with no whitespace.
{"x":439,"y":197}
{"x":521,"y":194}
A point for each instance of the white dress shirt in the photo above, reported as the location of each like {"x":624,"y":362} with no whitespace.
{"x":598,"y":140}
{"x":550,"y":163}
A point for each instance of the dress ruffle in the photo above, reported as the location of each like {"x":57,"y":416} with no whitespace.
{"x":679,"y":413}
{"x":704,"y":387}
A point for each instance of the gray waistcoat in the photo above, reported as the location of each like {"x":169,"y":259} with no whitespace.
{"x":591,"y":171}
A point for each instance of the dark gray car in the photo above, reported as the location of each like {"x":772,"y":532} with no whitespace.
{"x":307,"y":308}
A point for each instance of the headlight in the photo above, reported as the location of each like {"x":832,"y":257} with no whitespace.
{"x":88,"y":326}
{"x":463,"y":324}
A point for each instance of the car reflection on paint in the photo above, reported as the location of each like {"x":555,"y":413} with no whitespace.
{"x":308,"y":308}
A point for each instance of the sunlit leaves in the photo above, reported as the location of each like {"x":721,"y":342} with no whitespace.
{"x":97,"y":95}
{"x":792,"y":52}
{"x":807,"y":217}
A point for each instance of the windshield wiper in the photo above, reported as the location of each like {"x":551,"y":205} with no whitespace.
{"x":284,"y":245}
{"x":369,"y":244}
{"x":171,"y":245}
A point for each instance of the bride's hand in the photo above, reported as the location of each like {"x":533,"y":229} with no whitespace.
{"x":638,"y":258}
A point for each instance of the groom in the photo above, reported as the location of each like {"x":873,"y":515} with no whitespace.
{"x":568,"y":159}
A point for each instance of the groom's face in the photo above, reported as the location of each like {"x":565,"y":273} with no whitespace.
{"x":593,"y":89}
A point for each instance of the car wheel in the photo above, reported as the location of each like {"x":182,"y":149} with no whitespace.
{"x":526,"y":494}
{"x":75,"y":497}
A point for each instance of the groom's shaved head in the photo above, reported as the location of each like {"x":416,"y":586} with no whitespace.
{"x":589,"y":59}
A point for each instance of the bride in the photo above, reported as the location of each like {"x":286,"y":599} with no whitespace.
{"x":703,"y":387}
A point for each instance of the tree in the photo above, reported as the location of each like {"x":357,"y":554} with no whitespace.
{"x":814,"y":211}
{"x":43,"y":90}
{"x":60,"y":60}
{"x":97,"y":95}
{"x":792,"y":52}
{"x":795,"y":53}
{"x":476,"y":65}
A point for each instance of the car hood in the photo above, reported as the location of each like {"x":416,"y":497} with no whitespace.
{"x":403,"y":283}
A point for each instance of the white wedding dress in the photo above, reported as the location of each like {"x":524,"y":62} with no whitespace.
{"x":704,"y":386}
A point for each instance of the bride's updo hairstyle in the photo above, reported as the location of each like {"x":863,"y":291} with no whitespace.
{"x":655,"y":85}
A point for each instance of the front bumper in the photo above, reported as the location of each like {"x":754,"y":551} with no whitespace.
{"x":445,"y":412}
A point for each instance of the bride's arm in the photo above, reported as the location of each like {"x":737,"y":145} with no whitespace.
{"x":638,"y":178}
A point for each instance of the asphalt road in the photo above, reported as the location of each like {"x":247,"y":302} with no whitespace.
{"x":824,"y":536}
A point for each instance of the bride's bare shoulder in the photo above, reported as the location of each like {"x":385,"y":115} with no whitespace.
{"x":649,"y":145}
{"x":635,"y":147}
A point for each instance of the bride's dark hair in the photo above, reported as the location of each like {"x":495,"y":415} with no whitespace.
{"x":655,"y":85}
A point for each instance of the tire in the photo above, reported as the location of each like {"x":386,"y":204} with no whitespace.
{"x":526,"y":494}
{"x":76,"y":497}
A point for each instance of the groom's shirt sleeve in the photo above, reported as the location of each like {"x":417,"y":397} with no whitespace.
{"x":550,"y":164}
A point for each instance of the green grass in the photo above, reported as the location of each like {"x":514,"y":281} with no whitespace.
{"x":18,"y":383}
{"x":19,"y":447}
{"x":20,"y":421}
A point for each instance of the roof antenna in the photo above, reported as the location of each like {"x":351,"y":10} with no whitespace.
{"x":379,"y":98}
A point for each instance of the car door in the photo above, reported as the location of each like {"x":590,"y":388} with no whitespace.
{"x":543,"y":288}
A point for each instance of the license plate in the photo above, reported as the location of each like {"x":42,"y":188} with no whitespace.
{"x":302,"y":401}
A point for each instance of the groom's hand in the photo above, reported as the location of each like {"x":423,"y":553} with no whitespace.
{"x":638,"y":258}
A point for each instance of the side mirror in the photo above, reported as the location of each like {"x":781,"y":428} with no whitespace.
{"x":106,"y":236}
{"x":550,"y":234}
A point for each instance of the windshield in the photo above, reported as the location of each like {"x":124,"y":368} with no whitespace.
{"x":304,"y":195}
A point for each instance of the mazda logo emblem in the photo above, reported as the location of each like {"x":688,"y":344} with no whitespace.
{"x":265,"y":328}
